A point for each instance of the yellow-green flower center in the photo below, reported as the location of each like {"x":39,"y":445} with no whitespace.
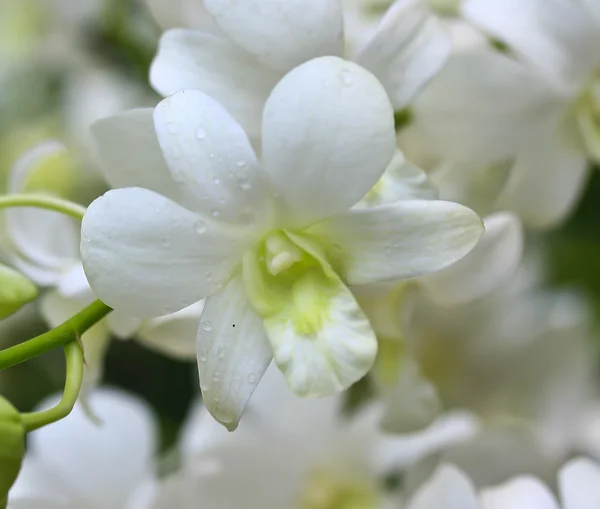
{"x":280,"y":273}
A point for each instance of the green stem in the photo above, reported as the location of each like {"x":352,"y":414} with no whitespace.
{"x":43,"y":202}
{"x":66,"y":332}
{"x":73,"y":378}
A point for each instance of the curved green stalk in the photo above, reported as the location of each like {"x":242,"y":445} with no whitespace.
{"x":41,"y":201}
{"x":68,"y":331}
{"x":74,"y":375}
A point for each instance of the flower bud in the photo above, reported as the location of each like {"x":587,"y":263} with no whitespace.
{"x":12,"y":448}
{"x":15,"y":291}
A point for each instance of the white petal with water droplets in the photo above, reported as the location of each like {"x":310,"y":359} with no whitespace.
{"x":400,"y":240}
{"x":210,"y":157}
{"x":324,"y":148}
{"x":233,"y":353}
{"x":148,"y":256}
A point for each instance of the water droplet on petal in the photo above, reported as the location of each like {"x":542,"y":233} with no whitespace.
{"x":217,"y":181}
{"x":244,"y":184}
{"x":346,"y":77}
{"x":206,"y":326}
{"x":388,"y":251}
{"x":200,"y":133}
{"x":215,"y":213}
{"x":200,"y":227}
{"x":172,"y":127}
{"x":241,"y":164}
{"x":251,"y":378}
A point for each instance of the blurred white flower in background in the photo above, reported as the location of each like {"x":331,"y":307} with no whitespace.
{"x":578,"y":487}
{"x":80,"y":464}
{"x":524,"y":120}
{"x":412,"y":401}
{"x":450,"y":488}
{"x":308,"y":454}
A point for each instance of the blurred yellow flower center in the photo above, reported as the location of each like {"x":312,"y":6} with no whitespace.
{"x":587,"y":115}
{"x":325,"y":491}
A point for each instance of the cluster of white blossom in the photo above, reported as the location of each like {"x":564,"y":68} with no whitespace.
{"x":334,"y":207}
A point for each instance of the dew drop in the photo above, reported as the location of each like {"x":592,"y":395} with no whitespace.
{"x":200,"y":227}
{"x":206,"y":326}
{"x":244,"y":184}
{"x":251,"y":378}
{"x":200,"y":133}
{"x":217,"y":181}
{"x":241,"y":164}
{"x":221,"y":353}
{"x":346,"y":77}
{"x":215,"y":213}
{"x":388,"y":251}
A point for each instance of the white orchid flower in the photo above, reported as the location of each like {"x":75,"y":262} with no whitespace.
{"x":451,"y":488}
{"x":448,"y":488}
{"x":258,"y":41}
{"x":578,"y":483}
{"x":533,"y":111}
{"x":274,"y":244}
{"x":44,"y":245}
{"x":79,"y":464}
{"x":311,"y":455}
